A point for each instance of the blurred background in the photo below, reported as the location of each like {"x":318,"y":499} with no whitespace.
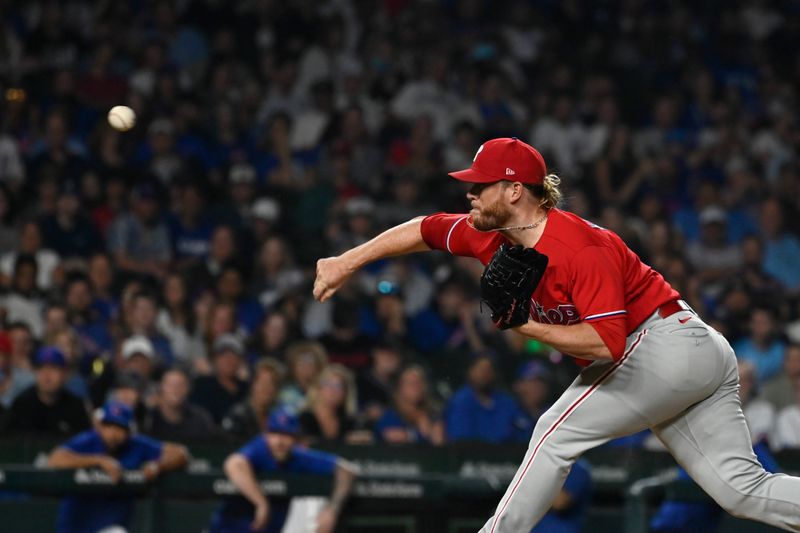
{"x":171,"y":266}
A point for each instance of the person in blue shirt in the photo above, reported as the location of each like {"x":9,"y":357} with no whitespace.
{"x":781,"y":248}
{"x":569,"y":508}
{"x":532,"y":392}
{"x":675,"y":516}
{"x":114,"y":448}
{"x":763,"y":348}
{"x":479,"y":412}
{"x":413,"y":415}
{"x":276,"y":450}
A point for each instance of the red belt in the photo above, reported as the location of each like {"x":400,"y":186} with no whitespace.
{"x":670,"y":308}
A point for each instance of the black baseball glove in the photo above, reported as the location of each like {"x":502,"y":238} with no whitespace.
{"x":508,"y":282}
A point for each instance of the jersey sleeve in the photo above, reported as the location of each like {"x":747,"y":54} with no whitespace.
{"x":255,"y":451}
{"x":447,"y":232}
{"x":150,"y":449}
{"x":598,"y":293}
{"x":86,"y":442}
{"x":314,"y":461}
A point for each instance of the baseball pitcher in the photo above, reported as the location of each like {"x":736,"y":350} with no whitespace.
{"x":650,"y":361}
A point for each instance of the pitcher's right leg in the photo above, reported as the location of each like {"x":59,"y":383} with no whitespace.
{"x":711,"y":441}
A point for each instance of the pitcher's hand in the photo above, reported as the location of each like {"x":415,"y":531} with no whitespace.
{"x":332,"y":272}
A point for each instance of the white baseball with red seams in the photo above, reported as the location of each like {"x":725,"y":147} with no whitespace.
{"x":121,"y":118}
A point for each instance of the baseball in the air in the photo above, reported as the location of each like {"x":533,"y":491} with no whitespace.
{"x":121,"y":118}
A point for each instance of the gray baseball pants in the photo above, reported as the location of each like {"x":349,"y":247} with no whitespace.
{"x":678,"y":379}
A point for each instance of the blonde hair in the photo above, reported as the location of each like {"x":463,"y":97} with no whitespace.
{"x":273,"y":367}
{"x":341,"y":372}
{"x":550,"y":193}
{"x":298,"y":349}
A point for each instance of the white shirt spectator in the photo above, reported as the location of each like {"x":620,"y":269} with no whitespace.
{"x":46,"y":261}
{"x":426,"y":97}
{"x":787,"y":429}
{"x":11,"y":167}
{"x":760,"y":416}
{"x":565,"y":140}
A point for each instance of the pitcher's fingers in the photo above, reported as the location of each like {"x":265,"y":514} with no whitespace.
{"x":328,"y":293}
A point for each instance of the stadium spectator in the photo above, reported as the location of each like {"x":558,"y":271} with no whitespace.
{"x":386,"y":318}
{"x":532,"y":391}
{"x":23,"y":303}
{"x":760,"y":414}
{"x":113,"y":447}
{"x":89,"y":323}
{"x":47,"y":407}
{"x":230,"y":285}
{"x":246,"y":418}
{"x":272,"y":338}
{"x":134,"y":391}
{"x":30,"y":243}
{"x":139,"y":240}
{"x":275,"y":273}
{"x":266,"y":215}
{"x":9,"y":235}
{"x":13,"y":379}
{"x":478,"y":411}
{"x":376,"y":383}
{"x":713,"y":259}
{"x":220,"y":391}
{"x":174,"y":417}
{"x":69,"y":231}
{"x":763,"y":347}
{"x":449,"y":325}
{"x":22,"y":345}
{"x":330,"y":413}
{"x":345,"y":343}
{"x":142,"y":322}
{"x":221,"y":252}
{"x":68,"y":342}
{"x":176,"y":321}
{"x":779,"y":391}
{"x":101,"y":279}
{"x":276,"y":451}
{"x":787,"y":425}
{"x":306,"y":361}
{"x":55,"y":322}
{"x":413,"y":416}
{"x":190,"y":225}
{"x":781,"y":248}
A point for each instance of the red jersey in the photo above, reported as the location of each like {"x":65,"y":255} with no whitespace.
{"x":591,"y":276}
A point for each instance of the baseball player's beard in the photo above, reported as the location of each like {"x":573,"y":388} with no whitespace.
{"x":491,"y":217}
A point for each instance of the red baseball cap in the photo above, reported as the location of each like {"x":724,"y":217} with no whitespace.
{"x":506,"y":158}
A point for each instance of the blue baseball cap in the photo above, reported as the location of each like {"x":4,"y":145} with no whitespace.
{"x":50,"y":355}
{"x":533,"y":370}
{"x":116,"y":413}
{"x":283,"y":421}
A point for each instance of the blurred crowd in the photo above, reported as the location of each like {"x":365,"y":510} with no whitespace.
{"x":169,"y":267}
